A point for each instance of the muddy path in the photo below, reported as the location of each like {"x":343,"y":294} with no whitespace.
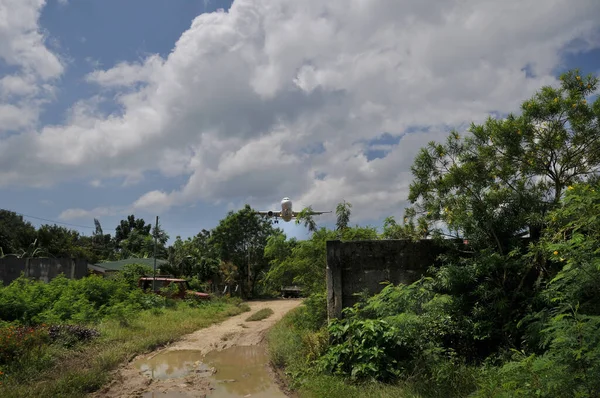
{"x":232,"y":346}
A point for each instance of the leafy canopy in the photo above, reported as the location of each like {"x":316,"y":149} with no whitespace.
{"x":497,"y":182}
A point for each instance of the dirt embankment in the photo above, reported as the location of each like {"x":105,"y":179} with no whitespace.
{"x":129,"y":381}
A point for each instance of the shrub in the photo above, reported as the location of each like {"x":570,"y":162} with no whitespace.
{"x":363,"y":349}
{"x":131,"y":273}
{"x":569,"y":368}
{"x":315,"y":312}
{"x":17,"y":342}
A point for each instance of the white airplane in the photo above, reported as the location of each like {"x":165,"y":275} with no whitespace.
{"x":286,"y":213}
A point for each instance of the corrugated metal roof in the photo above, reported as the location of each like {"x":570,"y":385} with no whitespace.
{"x":96,"y":268}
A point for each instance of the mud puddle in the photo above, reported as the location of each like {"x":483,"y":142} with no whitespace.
{"x":173,"y":365}
{"x":238,"y":371}
{"x":242,"y":371}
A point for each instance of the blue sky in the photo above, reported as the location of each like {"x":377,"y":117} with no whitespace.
{"x":88,"y":35}
{"x":92,"y":33}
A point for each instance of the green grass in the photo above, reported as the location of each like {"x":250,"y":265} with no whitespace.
{"x":76,"y":372}
{"x":260,"y":315}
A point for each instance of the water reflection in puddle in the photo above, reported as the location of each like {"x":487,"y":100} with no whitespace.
{"x":241,"y":371}
{"x":172,"y":364}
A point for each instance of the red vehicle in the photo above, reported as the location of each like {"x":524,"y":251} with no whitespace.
{"x":145,"y":283}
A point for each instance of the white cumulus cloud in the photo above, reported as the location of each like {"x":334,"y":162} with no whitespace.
{"x":31,"y":65}
{"x":274,"y":99}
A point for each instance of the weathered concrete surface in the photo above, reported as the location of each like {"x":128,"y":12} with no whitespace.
{"x":358,"y":266}
{"x":44,"y":269}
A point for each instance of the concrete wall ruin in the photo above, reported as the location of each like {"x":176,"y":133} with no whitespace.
{"x":357,"y":266}
{"x":43,"y":269}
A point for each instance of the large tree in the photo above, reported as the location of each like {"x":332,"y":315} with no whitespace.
{"x":494,"y":186}
{"x":240,"y":239}
{"x":129,"y":225}
{"x":497,"y":182}
{"x":61,"y":242}
{"x":194,"y":256}
{"x":133,"y":237}
{"x":16,"y":234}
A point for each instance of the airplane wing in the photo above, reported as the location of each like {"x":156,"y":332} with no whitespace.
{"x":312,"y":213}
{"x":270,"y":213}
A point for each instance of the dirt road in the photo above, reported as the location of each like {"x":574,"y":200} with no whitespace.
{"x":130,"y":381}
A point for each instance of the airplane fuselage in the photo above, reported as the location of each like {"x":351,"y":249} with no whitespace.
{"x":286,"y":209}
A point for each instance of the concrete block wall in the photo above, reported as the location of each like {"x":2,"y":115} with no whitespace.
{"x":357,"y":266}
{"x":44,"y":269}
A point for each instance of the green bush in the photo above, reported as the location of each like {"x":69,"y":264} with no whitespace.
{"x":363,"y":349}
{"x":131,"y":273}
{"x":86,"y":300}
{"x":198,"y":285}
{"x":315,"y":312}
{"x":569,"y":368}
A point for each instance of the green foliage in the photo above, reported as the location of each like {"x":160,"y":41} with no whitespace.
{"x":569,"y":368}
{"x":305,"y":216}
{"x":20,"y":341}
{"x":240,"y":240}
{"x":313,"y":312}
{"x":571,"y":246}
{"x":497,"y":183}
{"x":194,"y":256}
{"x":562,"y":334}
{"x":33,"y":250}
{"x":197,"y":285}
{"x":58,"y":371}
{"x":294,"y":347}
{"x":305,"y":353}
{"x":65,"y":300}
{"x":437,"y":330}
{"x":405,"y":332}
{"x":15,"y":233}
{"x":343,"y":215}
{"x":305,"y":264}
{"x":363,"y":348}
{"x":125,"y":228}
{"x":135,"y":238}
{"x":61,"y":242}
{"x":131,"y":273}
{"x":408,"y":230}
{"x":277,"y":251}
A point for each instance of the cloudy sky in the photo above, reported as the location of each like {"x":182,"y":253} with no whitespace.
{"x":189,"y":108}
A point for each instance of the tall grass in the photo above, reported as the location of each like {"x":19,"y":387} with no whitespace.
{"x":60,"y":372}
{"x":260,"y":315}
